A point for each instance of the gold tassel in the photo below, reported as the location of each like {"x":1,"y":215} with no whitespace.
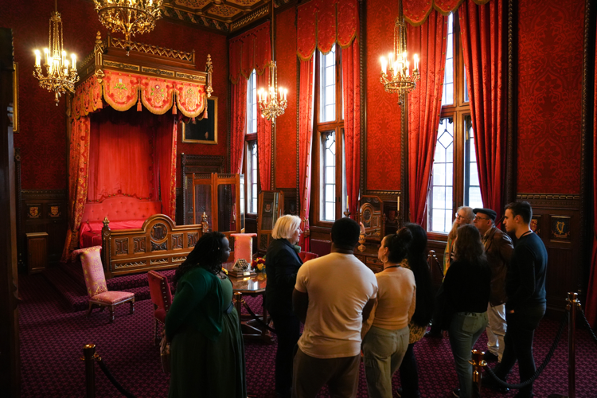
{"x":205,"y":113}
{"x":174,"y":110}
{"x":139,"y":106}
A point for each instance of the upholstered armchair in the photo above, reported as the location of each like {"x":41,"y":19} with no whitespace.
{"x":161,"y":297}
{"x":306,"y":256}
{"x":95,"y":280}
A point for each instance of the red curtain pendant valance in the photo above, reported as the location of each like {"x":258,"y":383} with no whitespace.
{"x":321,"y":23}
{"x":417,"y":11}
{"x":250,"y":51}
{"x":121,"y":91}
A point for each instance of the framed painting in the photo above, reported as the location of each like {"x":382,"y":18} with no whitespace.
{"x":203,"y":130}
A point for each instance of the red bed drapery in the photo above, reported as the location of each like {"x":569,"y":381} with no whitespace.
{"x":321,"y":24}
{"x":251,"y":50}
{"x":122,"y":91}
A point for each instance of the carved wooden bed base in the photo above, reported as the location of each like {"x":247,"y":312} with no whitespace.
{"x":159,"y":244}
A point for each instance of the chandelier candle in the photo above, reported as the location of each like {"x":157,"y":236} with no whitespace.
{"x":59,"y":78}
{"x":395,"y":73}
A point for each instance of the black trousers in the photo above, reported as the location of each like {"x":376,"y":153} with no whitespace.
{"x":288,"y":333}
{"x":519,"y":344}
{"x":409,"y":375}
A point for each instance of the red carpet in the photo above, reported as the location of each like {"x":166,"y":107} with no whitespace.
{"x":52,"y":338}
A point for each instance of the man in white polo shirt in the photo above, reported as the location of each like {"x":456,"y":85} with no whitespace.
{"x":333,"y":295}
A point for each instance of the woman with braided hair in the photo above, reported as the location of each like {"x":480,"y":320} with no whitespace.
{"x":203,"y":327}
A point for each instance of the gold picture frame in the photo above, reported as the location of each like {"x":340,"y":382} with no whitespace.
{"x":15,"y":97}
{"x":203,"y":130}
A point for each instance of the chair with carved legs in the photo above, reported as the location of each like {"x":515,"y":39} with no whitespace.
{"x":161,"y":297}
{"x":95,"y":280}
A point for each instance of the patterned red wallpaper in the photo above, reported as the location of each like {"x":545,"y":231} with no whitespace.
{"x":383,"y":113}
{"x":550,"y":60}
{"x":43,"y":125}
{"x":286,"y":168}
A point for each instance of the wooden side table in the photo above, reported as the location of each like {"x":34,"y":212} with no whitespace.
{"x":37,"y":252}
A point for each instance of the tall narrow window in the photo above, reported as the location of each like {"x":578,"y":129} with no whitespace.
{"x":455,"y":179}
{"x":250,"y":164}
{"x":252,"y":177}
{"x":252,"y":104}
{"x":329,"y":174}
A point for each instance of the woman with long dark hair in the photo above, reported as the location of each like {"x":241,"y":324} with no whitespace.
{"x":466,"y":289}
{"x":203,"y":327}
{"x":386,"y":342}
{"x":416,"y":261}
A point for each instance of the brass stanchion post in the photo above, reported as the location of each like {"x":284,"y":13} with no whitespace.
{"x":89,"y":357}
{"x":478,"y":363}
{"x":573,"y":303}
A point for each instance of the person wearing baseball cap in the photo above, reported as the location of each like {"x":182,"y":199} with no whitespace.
{"x":498,"y":249}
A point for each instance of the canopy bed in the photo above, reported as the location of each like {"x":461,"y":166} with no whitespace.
{"x":122,"y":163}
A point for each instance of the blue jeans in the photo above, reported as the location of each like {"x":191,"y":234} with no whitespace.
{"x":383,"y":350}
{"x":465,"y":329}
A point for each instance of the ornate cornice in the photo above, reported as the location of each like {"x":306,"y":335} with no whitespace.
{"x":247,"y":19}
{"x":383,"y":192}
{"x":551,"y":199}
{"x":151,"y":49}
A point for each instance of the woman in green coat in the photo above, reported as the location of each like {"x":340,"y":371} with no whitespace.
{"x":203,"y":327}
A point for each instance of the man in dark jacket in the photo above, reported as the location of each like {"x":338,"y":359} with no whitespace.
{"x":525,"y":288}
{"x":498,"y":249}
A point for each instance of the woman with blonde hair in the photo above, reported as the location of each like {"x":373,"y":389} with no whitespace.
{"x":282,"y":263}
{"x":464,"y":216}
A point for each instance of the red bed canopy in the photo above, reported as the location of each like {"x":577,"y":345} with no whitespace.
{"x":130,"y":154}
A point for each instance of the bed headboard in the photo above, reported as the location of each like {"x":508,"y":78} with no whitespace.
{"x":121,"y":208}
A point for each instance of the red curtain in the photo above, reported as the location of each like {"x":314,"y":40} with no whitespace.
{"x":424,"y":107}
{"x":239,"y":125}
{"x":481,"y":33}
{"x":352,"y":123}
{"x":305,"y":143}
{"x":591,"y":302}
{"x":251,"y":50}
{"x":264,"y":140}
{"x":121,"y":156}
{"x":165,"y":154}
{"x":77,"y":181}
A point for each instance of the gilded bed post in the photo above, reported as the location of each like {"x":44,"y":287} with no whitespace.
{"x":106,"y":247}
{"x":209,"y":69}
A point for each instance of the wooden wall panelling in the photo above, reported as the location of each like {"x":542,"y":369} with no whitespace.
{"x":43,"y":211}
{"x":10,"y":369}
{"x":564,"y":268}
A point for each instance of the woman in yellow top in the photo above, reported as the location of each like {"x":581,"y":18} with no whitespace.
{"x":386,"y":341}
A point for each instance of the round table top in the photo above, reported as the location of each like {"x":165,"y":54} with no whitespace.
{"x":247,"y":284}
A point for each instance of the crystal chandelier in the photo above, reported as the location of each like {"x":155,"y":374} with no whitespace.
{"x":59,"y":77}
{"x":272,"y":102}
{"x":129,"y":17}
{"x":396,"y":75}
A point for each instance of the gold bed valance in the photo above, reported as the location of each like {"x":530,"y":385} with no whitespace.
{"x":158,"y":79}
